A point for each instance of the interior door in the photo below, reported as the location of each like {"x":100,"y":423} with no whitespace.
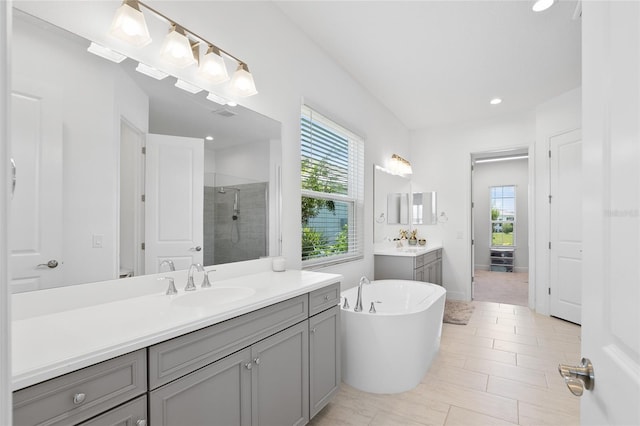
{"x":565,"y":225}
{"x":174,"y":201}
{"x":35,"y":235}
{"x":611,"y":267}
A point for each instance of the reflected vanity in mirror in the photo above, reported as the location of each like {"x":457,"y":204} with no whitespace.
{"x":114,"y":173}
{"x":423,"y":210}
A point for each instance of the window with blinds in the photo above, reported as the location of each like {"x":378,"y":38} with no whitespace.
{"x":332,"y":172}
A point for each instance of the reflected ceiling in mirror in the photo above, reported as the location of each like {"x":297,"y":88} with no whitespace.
{"x":81,"y":104}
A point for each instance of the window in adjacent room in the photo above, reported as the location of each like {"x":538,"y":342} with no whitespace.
{"x":503,"y":216}
{"x":332,"y":172}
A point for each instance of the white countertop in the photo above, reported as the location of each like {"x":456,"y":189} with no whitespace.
{"x":390,"y":249}
{"x":50,"y":344}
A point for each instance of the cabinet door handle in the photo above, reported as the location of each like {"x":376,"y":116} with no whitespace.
{"x":248,"y":366}
{"x":257,"y":361}
{"x":79,"y":398}
{"x":313,"y":330}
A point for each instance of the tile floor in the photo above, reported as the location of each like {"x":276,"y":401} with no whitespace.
{"x":500,"y":369}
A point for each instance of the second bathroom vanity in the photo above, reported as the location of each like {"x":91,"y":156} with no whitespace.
{"x":409,"y":263}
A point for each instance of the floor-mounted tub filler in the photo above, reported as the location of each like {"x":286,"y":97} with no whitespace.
{"x":389,"y":349}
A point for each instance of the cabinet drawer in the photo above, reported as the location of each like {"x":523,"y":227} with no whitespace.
{"x":132,"y":413}
{"x":77,"y":396}
{"x":324,"y":298}
{"x":180,"y":356}
{"x":431,"y":257}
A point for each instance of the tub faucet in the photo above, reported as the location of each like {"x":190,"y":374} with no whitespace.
{"x":363,"y":280}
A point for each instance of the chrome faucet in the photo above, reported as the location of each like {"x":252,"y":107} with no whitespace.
{"x":190,"y":285}
{"x":363,"y":280}
{"x":169,"y":262}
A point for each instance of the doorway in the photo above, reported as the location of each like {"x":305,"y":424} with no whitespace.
{"x":499,"y":226}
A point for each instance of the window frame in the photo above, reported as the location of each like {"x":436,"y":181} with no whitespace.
{"x":493,"y":222}
{"x":354,"y":197}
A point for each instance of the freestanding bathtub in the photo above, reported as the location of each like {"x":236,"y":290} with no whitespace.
{"x":391,"y":350}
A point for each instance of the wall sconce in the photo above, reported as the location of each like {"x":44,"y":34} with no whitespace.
{"x":400,"y":166}
{"x":181,"y":47}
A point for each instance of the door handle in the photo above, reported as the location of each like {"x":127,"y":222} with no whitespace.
{"x":196,"y":248}
{"x":578,"y":377}
{"x":50,"y":264}
{"x":13,"y":177}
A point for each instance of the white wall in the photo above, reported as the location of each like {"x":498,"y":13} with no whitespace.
{"x":486,"y":175}
{"x":443,"y":154}
{"x":442,"y":163}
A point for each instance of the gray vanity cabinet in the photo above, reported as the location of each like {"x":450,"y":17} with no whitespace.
{"x":280,"y":378}
{"x":219,"y":393}
{"x":425,"y":267}
{"x":265,"y":384}
{"x":133,"y":413}
{"x":324,"y":356}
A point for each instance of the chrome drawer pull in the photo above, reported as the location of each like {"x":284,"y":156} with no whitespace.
{"x":79,"y":398}
{"x":326,"y":298}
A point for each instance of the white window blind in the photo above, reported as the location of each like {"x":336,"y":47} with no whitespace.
{"x":332,"y":175}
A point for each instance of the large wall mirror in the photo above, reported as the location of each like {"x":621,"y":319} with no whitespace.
{"x":115,"y":176}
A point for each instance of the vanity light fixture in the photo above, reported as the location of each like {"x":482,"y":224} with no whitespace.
{"x":540,"y":5}
{"x":106,"y":53}
{"x":400,"y":166}
{"x":242,"y":81}
{"x":151,"y":71}
{"x":181,"y":47}
{"x":177,"y":49}
{"x":212,"y":66}
{"x":129,"y":24}
{"x":188,"y":87}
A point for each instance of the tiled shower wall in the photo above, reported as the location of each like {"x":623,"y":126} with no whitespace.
{"x":221,"y":242}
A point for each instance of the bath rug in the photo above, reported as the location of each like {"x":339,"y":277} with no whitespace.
{"x":456,"y":312}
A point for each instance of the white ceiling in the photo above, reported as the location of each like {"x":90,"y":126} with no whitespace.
{"x":435,"y":62}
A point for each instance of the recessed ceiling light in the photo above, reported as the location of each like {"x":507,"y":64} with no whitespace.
{"x":540,"y":5}
{"x":495,"y":101}
{"x":209,"y":138}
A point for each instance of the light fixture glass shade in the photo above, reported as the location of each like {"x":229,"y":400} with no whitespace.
{"x":242,"y":82}
{"x":129,"y":25}
{"x":400,"y":166}
{"x":106,"y":53}
{"x":176,"y":49}
{"x":212,"y":67}
{"x":540,"y":5}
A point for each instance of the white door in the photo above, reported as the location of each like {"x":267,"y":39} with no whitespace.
{"x":35,"y":235}
{"x":611,"y":257}
{"x":565,"y":225}
{"x":174,"y":186}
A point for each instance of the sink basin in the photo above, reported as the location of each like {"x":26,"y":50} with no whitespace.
{"x":212,"y":296}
